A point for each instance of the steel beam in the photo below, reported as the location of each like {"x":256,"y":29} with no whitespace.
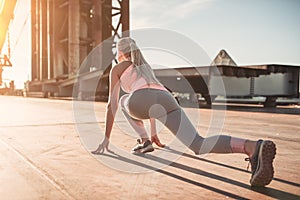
{"x":64,"y":32}
{"x":43,"y":53}
{"x":34,"y":40}
{"x":74,"y":34}
{"x":50,"y":38}
{"x":125,"y":17}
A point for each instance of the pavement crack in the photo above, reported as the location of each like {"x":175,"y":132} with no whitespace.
{"x":60,"y":187}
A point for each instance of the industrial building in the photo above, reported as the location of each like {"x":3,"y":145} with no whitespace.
{"x":65,"y":32}
{"x":239,"y":82}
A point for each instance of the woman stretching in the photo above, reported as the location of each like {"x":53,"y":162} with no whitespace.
{"x":146,"y":98}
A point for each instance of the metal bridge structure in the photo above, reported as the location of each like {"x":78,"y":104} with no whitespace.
{"x":65,"y":32}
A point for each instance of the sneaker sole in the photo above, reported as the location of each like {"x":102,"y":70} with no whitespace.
{"x":265,"y":171}
{"x":136,"y":149}
{"x":143,"y":150}
{"x":147,"y":149}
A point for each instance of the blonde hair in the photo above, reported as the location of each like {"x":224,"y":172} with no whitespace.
{"x":128,"y":46}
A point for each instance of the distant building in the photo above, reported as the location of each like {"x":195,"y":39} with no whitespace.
{"x":223,"y":58}
{"x":270,"y":81}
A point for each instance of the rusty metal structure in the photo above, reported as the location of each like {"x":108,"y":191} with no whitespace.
{"x":64,"y":32}
{"x":4,"y":62}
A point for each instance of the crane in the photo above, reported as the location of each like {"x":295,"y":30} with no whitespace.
{"x":4,"y":62}
{"x":6,"y":14}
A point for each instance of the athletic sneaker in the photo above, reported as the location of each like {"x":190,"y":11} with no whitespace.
{"x":142,"y":148}
{"x":262,"y":163}
{"x":138,"y":146}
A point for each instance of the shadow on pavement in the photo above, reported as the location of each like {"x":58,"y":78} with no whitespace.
{"x":124,"y":159}
{"x":274,"y":193}
{"x":225,"y":165}
{"x":290,"y":109}
{"x":259,"y":109}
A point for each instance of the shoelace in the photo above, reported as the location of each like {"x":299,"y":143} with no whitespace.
{"x":138,"y":141}
{"x":248,"y":159}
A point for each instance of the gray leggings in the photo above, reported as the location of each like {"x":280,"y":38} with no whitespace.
{"x":161,"y":105}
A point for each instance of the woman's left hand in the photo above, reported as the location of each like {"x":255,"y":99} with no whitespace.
{"x":102,"y":146}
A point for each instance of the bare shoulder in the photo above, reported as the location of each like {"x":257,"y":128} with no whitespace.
{"x":121,"y":67}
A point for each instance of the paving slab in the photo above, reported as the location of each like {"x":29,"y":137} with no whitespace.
{"x":45,"y":145}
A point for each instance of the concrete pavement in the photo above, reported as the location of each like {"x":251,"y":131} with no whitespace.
{"x":43,"y":155}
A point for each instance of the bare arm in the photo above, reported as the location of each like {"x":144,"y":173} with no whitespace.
{"x":111,"y":109}
{"x":112,"y":106}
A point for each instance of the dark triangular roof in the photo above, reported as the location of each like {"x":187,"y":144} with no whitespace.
{"x":223,"y":58}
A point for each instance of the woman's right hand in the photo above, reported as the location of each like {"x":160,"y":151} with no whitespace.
{"x":102,"y":146}
{"x":155,"y":139}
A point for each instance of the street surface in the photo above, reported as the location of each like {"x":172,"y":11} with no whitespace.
{"x":44,"y":154}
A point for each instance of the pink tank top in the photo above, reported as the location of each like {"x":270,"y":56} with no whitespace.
{"x":130,"y":83}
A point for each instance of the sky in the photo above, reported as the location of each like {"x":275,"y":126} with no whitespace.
{"x":252,"y":32}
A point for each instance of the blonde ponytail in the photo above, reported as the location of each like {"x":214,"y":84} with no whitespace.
{"x":143,"y":69}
